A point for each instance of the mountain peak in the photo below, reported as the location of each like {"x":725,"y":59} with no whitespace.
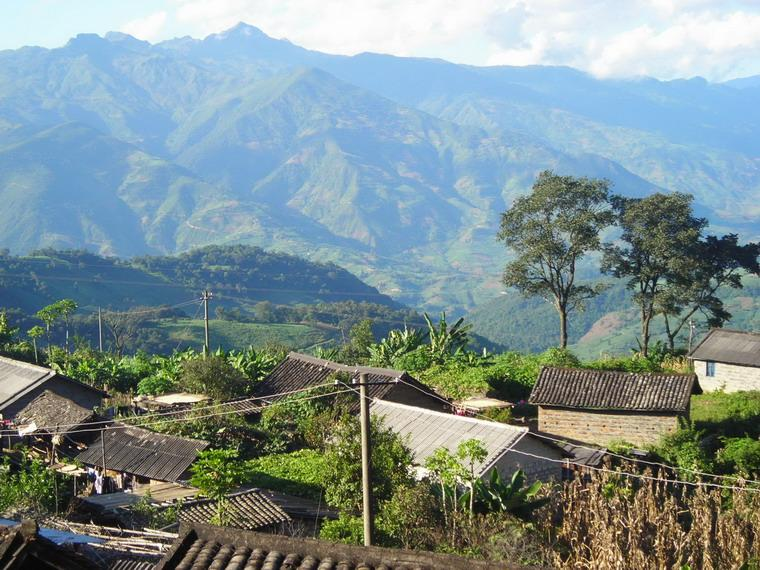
{"x":240,"y":30}
{"x":85,"y":41}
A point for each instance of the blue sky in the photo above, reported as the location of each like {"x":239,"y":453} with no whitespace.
{"x":662,"y":38}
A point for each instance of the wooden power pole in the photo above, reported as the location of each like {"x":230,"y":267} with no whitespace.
{"x":206,"y":297}
{"x":366,"y":462}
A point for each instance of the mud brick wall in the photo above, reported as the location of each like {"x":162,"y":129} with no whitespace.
{"x":603,"y":427}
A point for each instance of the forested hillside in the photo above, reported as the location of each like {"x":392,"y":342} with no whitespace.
{"x":396,"y":168}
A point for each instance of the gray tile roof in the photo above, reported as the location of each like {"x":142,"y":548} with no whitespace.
{"x":49,"y":411}
{"x":608,"y":390}
{"x":142,"y":452}
{"x":203,"y":547}
{"x":729,"y":346}
{"x":425,"y":431}
{"x":18,"y":378}
{"x":300,"y":371}
{"x":248,"y":510}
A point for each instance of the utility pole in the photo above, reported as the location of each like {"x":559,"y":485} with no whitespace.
{"x":692,"y":326}
{"x":366,"y":463}
{"x":206,"y":297}
{"x":100,"y":329}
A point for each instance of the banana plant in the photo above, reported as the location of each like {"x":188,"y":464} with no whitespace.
{"x":447,"y":340}
{"x":512,"y":497}
{"x":396,"y":344}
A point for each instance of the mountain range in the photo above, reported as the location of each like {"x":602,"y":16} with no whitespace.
{"x":395,"y":168}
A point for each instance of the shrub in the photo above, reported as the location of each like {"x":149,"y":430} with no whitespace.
{"x":300,"y":473}
{"x":214,"y":377}
{"x":740,"y":455}
{"x":346,"y":528}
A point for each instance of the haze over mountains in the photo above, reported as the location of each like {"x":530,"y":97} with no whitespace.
{"x":395,"y":168}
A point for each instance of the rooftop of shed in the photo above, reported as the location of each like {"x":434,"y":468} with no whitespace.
{"x":611,"y":390}
{"x":729,"y":346}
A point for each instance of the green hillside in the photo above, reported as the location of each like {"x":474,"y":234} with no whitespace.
{"x":609,"y":325}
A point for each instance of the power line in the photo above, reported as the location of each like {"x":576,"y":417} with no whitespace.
{"x":227,"y":403}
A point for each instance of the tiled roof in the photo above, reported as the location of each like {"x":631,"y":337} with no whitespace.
{"x":203,"y":547}
{"x":49,"y":410}
{"x":608,"y":390}
{"x":729,"y":346}
{"x":299,"y":371}
{"x":142,"y":452}
{"x":18,"y":378}
{"x":249,"y":510}
{"x":424,"y":431}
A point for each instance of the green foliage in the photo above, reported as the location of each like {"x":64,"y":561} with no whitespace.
{"x":214,"y":377}
{"x":216,"y":472}
{"x":514,"y":497}
{"x":391,"y":464}
{"x":361,"y":338}
{"x":550,"y":231}
{"x":347,"y":529}
{"x":145,"y":514}
{"x":397,"y":344}
{"x":685,"y":448}
{"x":445,"y":340}
{"x":300,"y":473}
{"x":740,"y":455}
{"x":30,"y":488}
{"x":409,"y":517}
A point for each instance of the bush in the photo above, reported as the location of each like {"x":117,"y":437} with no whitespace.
{"x":684,"y":448}
{"x":214,"y":377}
{"x":346,"y":528}
{"x":740,"y":455}
{"x":301,"y":473}
{"x":409,"y":517}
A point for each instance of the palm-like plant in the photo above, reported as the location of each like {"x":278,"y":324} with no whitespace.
{"x":513,"y":497}
{"x":446,"y":340}
{"x":396,"y":344}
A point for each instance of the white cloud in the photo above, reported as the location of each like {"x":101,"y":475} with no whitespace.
{"x":148,"y":28}
{"x":664,"y":38}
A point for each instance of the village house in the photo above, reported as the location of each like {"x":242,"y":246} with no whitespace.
{"x":142,"y":454}
{"x":728,"y":360}
{"x":509,"y":447}
{"x":21,"y":382}
{"x":300,"y":371}
{"x":602,"y":406}
{"x":203,"y":547}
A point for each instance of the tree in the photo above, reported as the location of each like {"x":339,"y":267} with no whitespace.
{"x":470,"y":454}
{"x":214,"y":377}
{"x":714,"y":263}
{"x":7,"y":332}
{"x":550,"y":230}
{"x":66,"y":308}
{"x":391,"y":464}
{"x":49,"y":315}
{"x":660,"y":236}
{"x":123,"y":327}
{"x":360,"y":338}
{"x":34,"y":333}
{"x":216,"y":472}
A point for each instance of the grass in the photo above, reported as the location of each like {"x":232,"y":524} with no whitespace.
{"x":733,"y":414}
{"x":234,"y":335}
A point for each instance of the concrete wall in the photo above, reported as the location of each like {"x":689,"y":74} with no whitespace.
{"x":535,"y":469}
{"x":602,"y":427}
{"x":728,"y":377}
{"x":86,"y":398}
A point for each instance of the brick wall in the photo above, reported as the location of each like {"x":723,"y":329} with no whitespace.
{"x":728,"y":377}
{"x":601,"y":427}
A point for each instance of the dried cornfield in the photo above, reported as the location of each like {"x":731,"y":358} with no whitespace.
{"x":609,"y":521}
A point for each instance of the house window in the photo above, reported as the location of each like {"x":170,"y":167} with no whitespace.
{"x":710,"y":369}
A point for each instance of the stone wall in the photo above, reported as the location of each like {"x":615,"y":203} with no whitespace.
{"x":603,"y":427}
{"x":728,"y":377}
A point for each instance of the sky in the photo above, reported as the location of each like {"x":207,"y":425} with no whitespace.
{"x":666,"y":39}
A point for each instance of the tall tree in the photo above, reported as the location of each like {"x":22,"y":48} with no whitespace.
{"x":713,"y":263}
{"x":660,"y":235}
{"x":550,"y":230}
